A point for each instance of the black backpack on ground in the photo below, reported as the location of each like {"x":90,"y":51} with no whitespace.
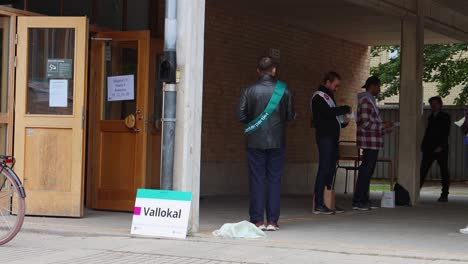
{"x":402,"y":197}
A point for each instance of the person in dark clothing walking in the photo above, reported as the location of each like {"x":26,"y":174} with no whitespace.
{"x":465,"y":139}
{"x":327,"y":119}
{"x":265,"y":108}
{"x":435,"y":145}
{"x":464,"y":128}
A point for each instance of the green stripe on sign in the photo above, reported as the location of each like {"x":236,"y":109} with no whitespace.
{"x":165,"y":195}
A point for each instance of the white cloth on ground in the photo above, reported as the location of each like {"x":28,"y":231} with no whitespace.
{"x":242,"y":229}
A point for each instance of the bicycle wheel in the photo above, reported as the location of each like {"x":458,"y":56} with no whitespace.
{"x":12,"y":207}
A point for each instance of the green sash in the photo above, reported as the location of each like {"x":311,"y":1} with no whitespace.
{"x":274,"y":101}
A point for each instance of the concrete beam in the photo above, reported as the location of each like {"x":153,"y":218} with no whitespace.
{"x":190,"y":54}
{"x":439,"y":18}
{"x":411,"y":102}
{"x":401,"y":8}
{"x":446,"y":21}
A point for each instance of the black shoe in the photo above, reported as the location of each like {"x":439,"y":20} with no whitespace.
{"x":338,"y":210}
{"x":443,"y":199}
{"x":373,"y":206}
{"x":361,"y":207}
{"x":323,"y":210}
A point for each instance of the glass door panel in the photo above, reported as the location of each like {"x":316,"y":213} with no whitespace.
{"x":50,"y":71}
{"x":121,"y":67}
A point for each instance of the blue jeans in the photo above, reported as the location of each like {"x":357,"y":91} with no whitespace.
{"x":265,"y":171}
{"x":328,"y":154}
{"x":366,"y":170}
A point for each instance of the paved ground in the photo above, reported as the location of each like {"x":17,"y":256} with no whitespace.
{"x":427,"y":233}
{"x":45,"y":248}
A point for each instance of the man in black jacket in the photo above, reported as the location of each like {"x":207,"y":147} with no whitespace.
{"x":328,"y":119}
{"x":435,"y":145}
{"x":267,"y":144}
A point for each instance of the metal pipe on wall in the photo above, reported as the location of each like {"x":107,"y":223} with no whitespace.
{"x":168,"y":76}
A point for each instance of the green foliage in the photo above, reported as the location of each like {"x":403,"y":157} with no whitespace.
{"x":446,"y":65}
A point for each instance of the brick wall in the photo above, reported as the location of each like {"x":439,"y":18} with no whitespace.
{"x":232,"y":46}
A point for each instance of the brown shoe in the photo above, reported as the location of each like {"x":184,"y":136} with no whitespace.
{"x":261,"y":226}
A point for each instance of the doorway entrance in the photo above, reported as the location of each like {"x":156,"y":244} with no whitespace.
{"x":123,"y":128}
{"x":86,"y":129}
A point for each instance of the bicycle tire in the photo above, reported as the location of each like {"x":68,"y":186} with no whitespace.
{"x":21,"y":207}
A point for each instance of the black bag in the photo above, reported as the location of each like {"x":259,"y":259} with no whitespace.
{"x":402,"y":197}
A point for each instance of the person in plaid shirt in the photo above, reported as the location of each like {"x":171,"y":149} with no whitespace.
{"x":370,"y":132}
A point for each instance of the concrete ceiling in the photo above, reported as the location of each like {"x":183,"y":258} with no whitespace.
{"x":460,"y":6}
{"x":337,"y":18}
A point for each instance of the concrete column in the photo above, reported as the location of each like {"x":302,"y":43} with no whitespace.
{"x":411,"y":105}
{"x":190,"y":48}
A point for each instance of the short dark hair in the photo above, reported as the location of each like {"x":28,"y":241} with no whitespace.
{"x":436,"y":98}
{"x":266,"y":64}
{"x":331,"y":76}
{"x":373,"y":80}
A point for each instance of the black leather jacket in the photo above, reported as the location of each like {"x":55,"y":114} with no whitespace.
{"x":253,"y":101}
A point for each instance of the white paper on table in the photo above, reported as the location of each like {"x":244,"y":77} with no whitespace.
{"x":58,"y":93}
{"x":460,"y":122}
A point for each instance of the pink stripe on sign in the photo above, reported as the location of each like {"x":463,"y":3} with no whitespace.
{"x":137,"y":211}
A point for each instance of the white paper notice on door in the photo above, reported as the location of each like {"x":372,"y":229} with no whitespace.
{"x":58,"y":93}
{"x":120,"y":88}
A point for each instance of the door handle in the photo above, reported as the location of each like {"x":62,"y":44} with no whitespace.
{"x":130,"y":121}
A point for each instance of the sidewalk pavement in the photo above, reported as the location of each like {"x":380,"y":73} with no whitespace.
{"x":427,"y":233}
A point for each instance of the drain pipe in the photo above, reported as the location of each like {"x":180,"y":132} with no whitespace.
{"x":168,"y":76}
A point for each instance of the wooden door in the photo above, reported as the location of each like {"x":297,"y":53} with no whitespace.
{"x":120,"y":124}
{"x":49,"y":113}
{"x":7,"y":69}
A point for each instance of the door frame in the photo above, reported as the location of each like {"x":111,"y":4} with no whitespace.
{"x":96,"y":73}
{"x":9,"y":117}
{"x":154,"y":133}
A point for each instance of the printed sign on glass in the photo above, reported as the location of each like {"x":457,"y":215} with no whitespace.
{"x":58,"y":93}
{"x":60,"y":68}
{"x":121,"y":88}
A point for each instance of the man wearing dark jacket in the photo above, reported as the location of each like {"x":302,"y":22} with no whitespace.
{"x":266,"y":108}
{"x":435,"y":145}
{"x":328,"y":119}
